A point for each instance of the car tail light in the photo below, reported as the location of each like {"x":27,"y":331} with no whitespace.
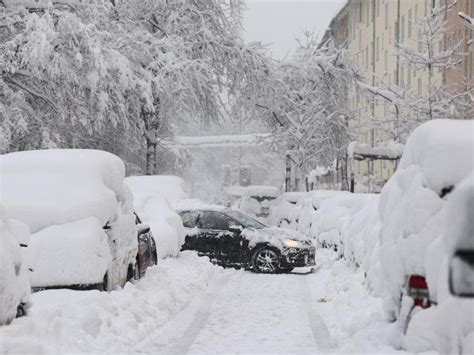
{"x":418,"y":290}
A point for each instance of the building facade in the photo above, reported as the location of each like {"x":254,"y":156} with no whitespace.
{"x":371,"y":30}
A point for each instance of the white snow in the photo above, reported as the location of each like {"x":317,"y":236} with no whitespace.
{"x":115,"y":322}
{"x":56,"y":191}
{"x":82,"y":245}
{"x":167,"y":186}
{"x":153,"y":196}
{"x":51,"y":187}
{"x":14,"y":283}
{"x":188,"y":305}
{"x":391,"y":150}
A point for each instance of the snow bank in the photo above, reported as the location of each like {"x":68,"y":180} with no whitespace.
{"x":116,"y":322}
{"x":51,"y":191}
{"x":14,"y":284}
{"x":170,"y":187}
{"x":152,"y":198}
{"x":355,"y":319}
{"x":438,"y":155}
{"x":449,"y":327}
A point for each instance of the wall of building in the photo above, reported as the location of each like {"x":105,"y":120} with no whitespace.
{"x":372,"y":29}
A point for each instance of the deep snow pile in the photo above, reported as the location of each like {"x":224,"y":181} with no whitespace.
{"x":355,"y":319}
{"x":116,"y":322}
{"x":449,"y":327}
{"x":153,"y":196}
{"x":14,"y":283}
{"x":437,"y":156}
{"x":55,"y":191}
{"x":322,"y":215}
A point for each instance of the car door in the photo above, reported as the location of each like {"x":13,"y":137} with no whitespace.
{"x":224,"y":244}
{"x":191,"y":241}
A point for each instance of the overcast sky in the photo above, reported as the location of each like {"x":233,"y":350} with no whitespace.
{"x":278,"y":22}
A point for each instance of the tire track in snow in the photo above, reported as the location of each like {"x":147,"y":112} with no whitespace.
{"x":184,"y":343}
{"x":320,"y":331}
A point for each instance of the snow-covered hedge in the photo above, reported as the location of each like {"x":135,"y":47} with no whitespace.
{"x":153,"y":199}
{"x":14,"y":283}
{"x":66,"y":197}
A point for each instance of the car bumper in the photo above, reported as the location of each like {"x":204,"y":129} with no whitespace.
{"x":298,"y":257}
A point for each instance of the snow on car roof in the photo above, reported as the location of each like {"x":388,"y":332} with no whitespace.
{"x":57,"y":186}
{"x":443,"y":149}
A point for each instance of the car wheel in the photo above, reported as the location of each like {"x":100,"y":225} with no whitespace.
{"x":21,"y":310}
{"x":131,"y":272}
{"x":266,"y":260}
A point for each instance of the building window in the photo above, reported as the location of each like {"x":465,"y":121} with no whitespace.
{"x":386,"y":16}
{"x":419,"y":87}
{"x":360,"y":11}
{"x":386,"y":60}
{"x":410,"y":23}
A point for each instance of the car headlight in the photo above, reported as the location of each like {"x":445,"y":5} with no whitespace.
{"x":291,"y":243}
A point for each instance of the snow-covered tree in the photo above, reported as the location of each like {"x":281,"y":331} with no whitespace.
{"x":63,"y":80}
{"x":432,"y":53}
{"x":306,"y":105}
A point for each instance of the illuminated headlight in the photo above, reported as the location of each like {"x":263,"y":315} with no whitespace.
{"x":290,"y":243}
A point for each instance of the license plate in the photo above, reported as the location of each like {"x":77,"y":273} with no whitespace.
{"x":306,"y":259}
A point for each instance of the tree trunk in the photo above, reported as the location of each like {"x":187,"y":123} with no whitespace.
{"x":150,"y":157}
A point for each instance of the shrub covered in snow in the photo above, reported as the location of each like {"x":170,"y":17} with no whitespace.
{"x":153,"y":196}
{"x":66,"y":197}
{"x":14,"y":284}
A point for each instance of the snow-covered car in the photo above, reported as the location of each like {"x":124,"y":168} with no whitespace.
{"x":415,"y":234}
{"x":14,"y":283}
{"x":80,"y":214}
{"x":232,"y":238}
{"x":253,"y":200}
{"x":153,"y":196}
{"x":147,"y":255}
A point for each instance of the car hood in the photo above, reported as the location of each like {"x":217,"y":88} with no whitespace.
{"x":274,"y":236}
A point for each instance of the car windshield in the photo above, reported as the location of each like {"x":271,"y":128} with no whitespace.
{"x":246,"y":221}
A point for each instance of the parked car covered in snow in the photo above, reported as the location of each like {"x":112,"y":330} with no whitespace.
{"x":153,"y":196}
{"x":232,"y":238}
{"x":14,"y":283}
{"x":80,"y":215}
{"x":411,"y":267}
{"x":253,"y":200}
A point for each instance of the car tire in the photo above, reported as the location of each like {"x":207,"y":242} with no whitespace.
{"x":265,"y":260}
{"x":131,"y":271}
{"x":21,"y":310}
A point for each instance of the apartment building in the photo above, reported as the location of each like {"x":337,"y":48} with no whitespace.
{"x":370,"y":31}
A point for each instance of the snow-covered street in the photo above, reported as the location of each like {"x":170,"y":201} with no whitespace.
{"x":187,"y":305}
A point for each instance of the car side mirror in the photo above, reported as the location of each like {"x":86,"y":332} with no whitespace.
{"x":461,"y":273}
{"x":143,"y":228}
